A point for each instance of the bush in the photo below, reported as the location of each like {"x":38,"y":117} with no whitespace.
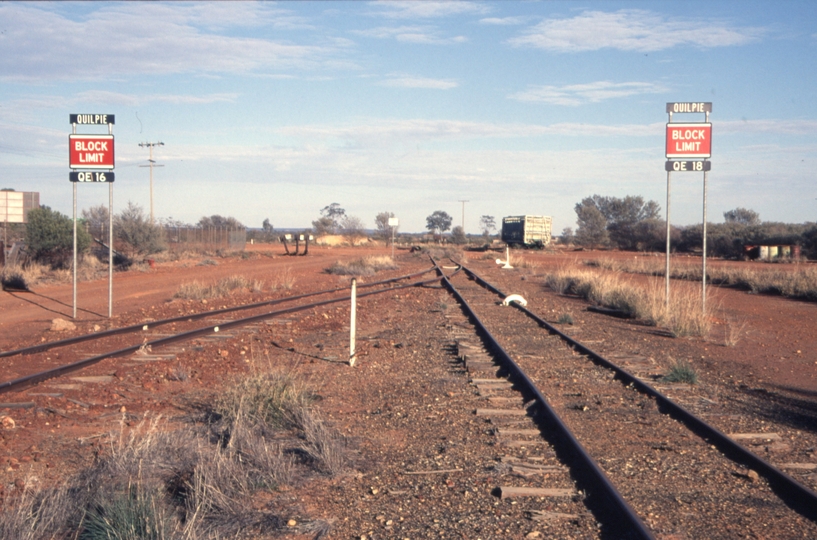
{"x":141,"y":236}
{"x":50,"y":237}
{"x":681,"y":372}
{"x":367,"y":266}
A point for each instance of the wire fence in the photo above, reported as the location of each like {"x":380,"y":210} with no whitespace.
{"x":205,"y":238}
{"x":190,"y":238}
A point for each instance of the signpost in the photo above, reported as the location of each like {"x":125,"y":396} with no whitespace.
{"x":94,"y":156}
{"x":684,"y":142}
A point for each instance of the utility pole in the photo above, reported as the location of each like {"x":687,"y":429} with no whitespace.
{"x":463,"y":214}
{"x":151,"y":164}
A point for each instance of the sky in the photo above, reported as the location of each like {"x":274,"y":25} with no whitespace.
{"x":275,"y":110}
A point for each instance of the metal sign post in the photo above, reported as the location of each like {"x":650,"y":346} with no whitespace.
{"x":94,"y":154}
{"x":685,"y":141}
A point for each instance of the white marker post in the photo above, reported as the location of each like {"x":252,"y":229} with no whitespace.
{"x":352,"y":323}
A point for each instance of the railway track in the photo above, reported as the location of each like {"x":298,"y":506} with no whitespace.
{"x":146,"y":344}
{"x":646,"y":465}
{"x":676,"y":482}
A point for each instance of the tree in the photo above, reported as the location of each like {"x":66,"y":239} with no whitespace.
{"x":458,"y":235}
{"x":381,"y":222}
{"x":50,"y":236}
{"x":567,"y":236}
{"x":170,"y":222}
{"x":330,"y":220}
{"x":134,"y":229}
{"x":742,"y":216}
{"x":592,"y":230}
{"x":488,"y":225}
{"x":219,"y":222}
{"x":621,"y":217}
{"x":352,"y":227}
{"x":267,"y":226}
{"x":624,"y":215}
{"x":97,"y":217}
{"x":438,"y":222}
{"x":335,"y":213}
{"x":323,"y":225}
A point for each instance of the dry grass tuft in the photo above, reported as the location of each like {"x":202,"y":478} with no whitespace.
{"x":366,"y":266}
{"x":283,"y":280}
{"x":195,"y":290}
{"x":735,"y":329}
{"x":681,"y":372}
{"x":799,"y":282}
{"x":268,"y":398}
{"x":159,"y":481}
{"x":683,"y":317}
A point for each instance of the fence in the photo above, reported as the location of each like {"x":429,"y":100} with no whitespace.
{"x":205,"y":238}
{"x":189,"y":238}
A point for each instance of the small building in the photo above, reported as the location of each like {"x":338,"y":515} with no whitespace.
{"x":771,"y":252}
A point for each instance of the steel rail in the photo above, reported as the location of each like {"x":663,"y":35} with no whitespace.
{"x":797,"y":496}
{"x":601,"y":493}
{"x":30,"y":380}
{"x":191,"y":317}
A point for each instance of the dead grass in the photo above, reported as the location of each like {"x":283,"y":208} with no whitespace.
{"x":195,"y":290}
{"x":797,"y":282}
{"x":525,"y":264}
{"x":160,"y":481}
{"x":683,"y":317}
{"x":366,"y":266}
{"x":269,"y":398}
{"x":734,"y":332}
{"x":33,"y":273}
{"x":283,"y":280}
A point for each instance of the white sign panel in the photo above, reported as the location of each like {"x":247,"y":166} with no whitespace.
{"x":11,"y":207}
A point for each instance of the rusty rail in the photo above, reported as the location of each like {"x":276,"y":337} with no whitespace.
{"x":797,"y":496}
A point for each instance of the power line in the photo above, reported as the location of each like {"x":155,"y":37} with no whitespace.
{"x":151,"y":164}
{"x":463,"y":213}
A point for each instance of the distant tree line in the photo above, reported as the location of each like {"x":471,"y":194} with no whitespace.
{"x":632,"y":224}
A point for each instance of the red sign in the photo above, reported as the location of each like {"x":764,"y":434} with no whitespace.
{"x":689,"y":140}
{"x":90,"y":151}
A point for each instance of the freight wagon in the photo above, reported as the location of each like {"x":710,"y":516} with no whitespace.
{"x":529,"y":231}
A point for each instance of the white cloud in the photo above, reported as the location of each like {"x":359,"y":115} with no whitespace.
{"x":116,"y":98}
{"x":504,"y":21}
{"x":579,"y":94}
{"x":141,"y":38}
{"x":631,"y":30}
{"x":414,"y":9}
{"x":406,"y":81}
{"x":248,"y":14}
{"x":386,"y":131}
{"x":781,"y":127}
{"x":411,"y":34}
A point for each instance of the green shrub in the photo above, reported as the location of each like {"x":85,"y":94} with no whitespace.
{"x":135,"y":514}
{"x":141,"y":236}
{"x":681,"y":372}
{"x":50,"y":237}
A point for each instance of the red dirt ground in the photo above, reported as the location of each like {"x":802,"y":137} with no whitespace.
{"x":777,"y":348}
